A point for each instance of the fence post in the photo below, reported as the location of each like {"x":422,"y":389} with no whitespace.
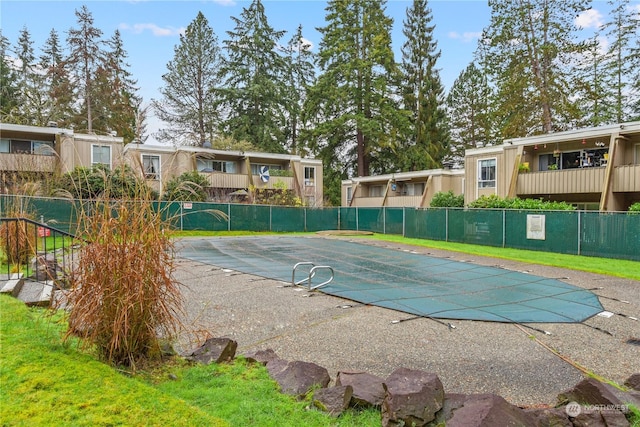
{"x":304,"y":226}
{"x":339,"y":224}
{"x":270,"y":210}
{"x":446,"y":224}
{"x":181,"y":214}
{"x":228,"y":216}
{"x":384,"y":220}
{"x":404,"y":218}
{"x":579,"y":232}
{"x":504,"y":227}
{"x":357,"y":220}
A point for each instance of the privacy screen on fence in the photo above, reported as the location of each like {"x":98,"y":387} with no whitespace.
{"x":408,"y":282}
{"x":602,"y":234}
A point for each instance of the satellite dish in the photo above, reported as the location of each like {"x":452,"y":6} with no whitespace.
{"x":264,"y":173}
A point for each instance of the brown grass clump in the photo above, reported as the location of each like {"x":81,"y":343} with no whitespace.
{"x":17,"y":238}
{"x":124,"y":299}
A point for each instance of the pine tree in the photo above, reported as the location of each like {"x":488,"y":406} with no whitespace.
{"x":86,"y":55}
{"x":57,"y":81}
{"x":529,"y":44}
{"x":31,"y":97}
{"x":354,"y":101}
{"x":300,"y":76}
{"x":188,"y":104}
{"x":8,"y":82}
{"x":255,"y":93}
{"x":423,"y":92}
{"x":469,"y":110}
{"x":622,"y":32}
{"x":117,"y":92}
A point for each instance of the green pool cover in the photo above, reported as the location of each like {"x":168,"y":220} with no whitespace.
{"x":404,"y":281}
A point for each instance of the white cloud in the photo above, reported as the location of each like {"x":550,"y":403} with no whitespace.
{"x":465,"y":37}
{"x":591,"y":18}
{"x":155,"y":30}
{"x":225,"y":2}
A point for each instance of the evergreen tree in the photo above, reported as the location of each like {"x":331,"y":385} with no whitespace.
{"x":622,"y":32}
{"x":117,"y":90}
{"x":528,"y":47}
{"x":300,"y":76}
{"x":188,"y":104}
{"x":255,"y":93}
{"x":354,"y":101}
{"x":8,"y":82}
{"x":57,"y":82}
{"x":86,"y":55}
{"x":31,"y":107}
{"x":469,"y":110}
{"x":423,"y":93}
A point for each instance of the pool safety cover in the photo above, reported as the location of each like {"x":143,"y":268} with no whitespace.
{"x":402,"y":280}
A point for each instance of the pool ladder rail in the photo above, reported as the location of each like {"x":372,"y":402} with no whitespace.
{"x":312,"y":272}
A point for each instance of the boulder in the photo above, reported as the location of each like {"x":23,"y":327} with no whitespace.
{"x":214,"y":350}
{"x":550,"y":417}
{"x":633,"y":382}
{"x":600,"y":419}
{"x":367,"y":388}
{"x":488,"y":410}
{"x":297,"y":378}
{"x":334,"y":400}
{"x":412,"y":397}
{"x":593,"y":392}
{"x":260,"y":356}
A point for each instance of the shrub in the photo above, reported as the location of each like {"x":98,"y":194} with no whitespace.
{"x":18,"y":238}
{"x":447,"y":200}
{"x":495,"y":202}
{"x":92,"y":183}
{"x":123,"y":298}
{"x":187,"y":187}
{"x":635,"y":207}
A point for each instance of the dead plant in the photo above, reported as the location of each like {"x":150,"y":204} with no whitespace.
{"x":18,"y":238}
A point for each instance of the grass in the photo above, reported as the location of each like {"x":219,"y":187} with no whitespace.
{"x":45,"y":382}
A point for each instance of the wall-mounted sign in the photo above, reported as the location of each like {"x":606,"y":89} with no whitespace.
{"x":536,"y":229}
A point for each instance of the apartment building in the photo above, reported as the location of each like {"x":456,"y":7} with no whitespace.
{"x":230,"y":174}
{"x":594,"y":168}
{"x":411,"y":189}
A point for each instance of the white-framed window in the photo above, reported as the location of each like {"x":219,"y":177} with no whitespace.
{"x":151,"y":166}
{"x":309,"y":176}
{"x":208,"y":165}
{"x":101,"y":155}
{"x":375,"y":191}
{"x":349,"y":194}
{"x":487,"y":173}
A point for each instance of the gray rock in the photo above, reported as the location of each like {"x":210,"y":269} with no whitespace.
{"x":297,"y":378}
{"x":633,"y":382}
{"x":216,"y":350}
{"x":334,"y":400}
{"x":412,"y":397}
{"x":367,"y":388}
{"x":260,"y":356}
{"x":489,"y":410}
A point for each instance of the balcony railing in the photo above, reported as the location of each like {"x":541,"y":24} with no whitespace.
{"x":586,"y":180}
{"x":27,"y":162}
{"x":226,"y":180}
{"x":626,"y":178}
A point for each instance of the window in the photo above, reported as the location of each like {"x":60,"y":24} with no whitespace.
{"x":637,"y":154}
{"x":375,"y":191}
{"x":205,"y":165}
{"x":487,"y":173}
{"x":4,"y":145}
{"x":349,"y":194}
{"x":309,"y":176}
{"x":101,"y":155}
{"x":18,"y":146}
{"x":414,"y":188}
{"x":151,"y":166}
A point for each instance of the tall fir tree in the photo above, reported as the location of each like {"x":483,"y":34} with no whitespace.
{"x":117,"y":90}
{"x":469,"y":111}
{"x":354,"y":102}
{"x":622,"y":32}
{"x":189,"y":96}
{"x":255,"y":91}
{"x":57,"y":81}
{"x":300,"y":76}
{"x":86,"y":55}
{"x":8,"y":82}
{"x":528,"y":47}
{"x":423,"y":93}
{"x":32,"y":99}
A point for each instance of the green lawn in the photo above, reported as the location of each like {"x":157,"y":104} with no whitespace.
{"x":44,"y":382}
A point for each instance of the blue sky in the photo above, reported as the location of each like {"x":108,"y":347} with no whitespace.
{"x":150,"y":28}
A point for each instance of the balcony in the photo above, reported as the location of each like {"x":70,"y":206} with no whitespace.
{"x":567,"y":181}
{"x":226,"y":180}
{"x":626,"y":178}
{"x":288,"y":181}
{"x":402,"y":201}
{"x":367,"y":202}
{"x":27,"y":162}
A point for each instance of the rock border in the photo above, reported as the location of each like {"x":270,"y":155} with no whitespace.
{"x":417,"y":398}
